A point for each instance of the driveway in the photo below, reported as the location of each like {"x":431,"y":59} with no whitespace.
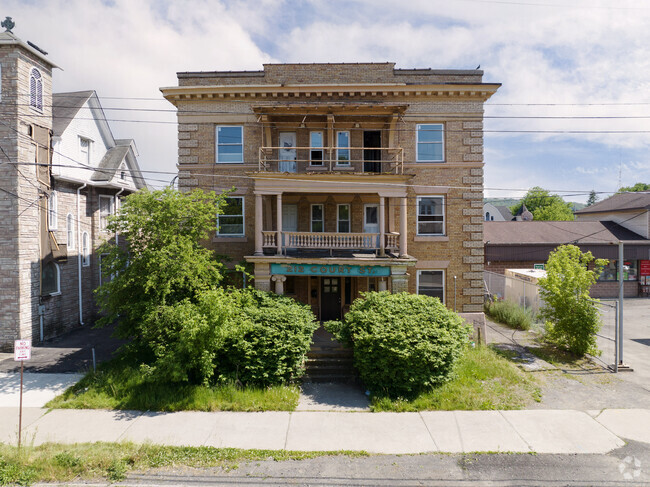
{"x":636,"y":341}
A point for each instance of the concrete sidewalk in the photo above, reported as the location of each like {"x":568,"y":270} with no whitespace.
{"x":540,"y":431}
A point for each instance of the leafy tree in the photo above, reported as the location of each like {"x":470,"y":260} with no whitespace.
{"x":636,"y":188}
{"x":162,"y":261}
{"x":592,"y":198}
{"x":572,"y":319}
{"x":545,"y":206}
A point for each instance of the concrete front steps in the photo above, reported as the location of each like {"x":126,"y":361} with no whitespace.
{"x":330,"y":363}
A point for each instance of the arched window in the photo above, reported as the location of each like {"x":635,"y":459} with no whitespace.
{"x":52,"y":212}
{"x":85,"y":249}
{"x":70,"y":227}
{"x":50,"y":279}
{"x":487,"y":216}
{"x":36,"y":90}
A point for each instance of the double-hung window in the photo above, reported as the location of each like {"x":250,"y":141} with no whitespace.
{"x":343,"y":218}
{"x":316,"y":148}
{"x":431,"y":215}
{"x":343,"y":148}
{"x":317,"y":218}
{"x":230,"y":144}
{"x":52,"y":211}
{"x":430,"y":143}
{"x":105,"y":210}
{"x":231,"y":222}
{"x":70,"y":229}
{"x":432,"y":283}
{"x":85,"y":249}
{"x":84,"y":151}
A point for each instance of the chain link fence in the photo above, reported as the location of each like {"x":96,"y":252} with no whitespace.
{"x":606,"y":336}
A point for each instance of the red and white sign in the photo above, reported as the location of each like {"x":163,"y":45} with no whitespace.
{"x":22,"y":350}
{"x":644,"y":268}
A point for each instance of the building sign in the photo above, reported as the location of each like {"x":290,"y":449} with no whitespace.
{"x":540,"y":267}
{"x":329,"y":270}
{"x":644,"y":267}
{"x":22,"y":350}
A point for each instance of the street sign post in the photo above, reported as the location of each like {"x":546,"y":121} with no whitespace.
{"x":22,"y":352}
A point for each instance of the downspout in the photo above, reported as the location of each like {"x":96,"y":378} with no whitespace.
{"x":116,"y":200}
{"x":79,"y":256}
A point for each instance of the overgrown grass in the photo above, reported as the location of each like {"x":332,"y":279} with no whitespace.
{"x":119,"y":384}
{"x":482,"y":380}
{"x":510,"y":314}
{"x":112,"y":461}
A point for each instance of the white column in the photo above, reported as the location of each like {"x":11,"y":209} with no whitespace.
{"x":258,"y":225}
{"x":383,"y":285}
{"x":279,"y":222}
{"x":382,"y":226}
{"x":279,"y":283}
{"x":403,"y":251}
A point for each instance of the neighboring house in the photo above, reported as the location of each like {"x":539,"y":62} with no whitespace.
{"x":521,"y":245}
{"x":496,"y":213}
{"x":630,"y":210}
{"x":523,"y":215}
{"x":51,"y":220}
{"x":347,"y":177}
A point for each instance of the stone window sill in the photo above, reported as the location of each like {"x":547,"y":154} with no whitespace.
{"x":220,"y":239}
{"x":431,"y":238}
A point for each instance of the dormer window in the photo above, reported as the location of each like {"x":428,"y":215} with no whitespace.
{"x":36,"y":90}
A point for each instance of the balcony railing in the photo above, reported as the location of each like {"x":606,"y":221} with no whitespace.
{"x":329,"y":240}
{"x":359,"y":159}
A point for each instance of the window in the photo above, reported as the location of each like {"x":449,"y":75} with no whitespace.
{"x":431,"y":220}
{"x":430,"y":146}
{"x":105,"y":210}
{"x":85,"y":249}
{"x":70,"y":228}
{"x":50,"y":279}
{"x":316,"y":218}
{"x":316,"y":148}
{"x":231,"y":222}
{"x":36,"y":90}
{"x":343,"y":218}
{"x":52,"y":211}
{"x":343,"y":151}
{"x":123,"y":175}
{"x":432,"y":283}
{"x":487,"y":216}
{"x":84,"y":151}
{"x":610,"y":271}
{"x":230,"y":144}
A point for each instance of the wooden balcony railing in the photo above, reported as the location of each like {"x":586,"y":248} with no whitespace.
{"x":360,"y":159}
{"x":329,"y":240}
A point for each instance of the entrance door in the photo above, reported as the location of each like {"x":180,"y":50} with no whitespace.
{"x":289,"y":220}
{"x":371,"y":220}
{"x":287,"y":152}
{"x":371,"y":152}
{"x":330,"y":298}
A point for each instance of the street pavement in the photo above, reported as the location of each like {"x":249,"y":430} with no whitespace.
{"x":523,"y":431}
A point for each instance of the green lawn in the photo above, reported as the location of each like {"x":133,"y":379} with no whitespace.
{"x":483,"y":379}
{"x":112,"y":461}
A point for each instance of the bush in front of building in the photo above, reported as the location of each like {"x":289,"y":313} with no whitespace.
{"x":509,"y":313}
{"x":403,"y":343}
{"x":250,"y":336}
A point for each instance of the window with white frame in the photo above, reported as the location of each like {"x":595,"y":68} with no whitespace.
{"x":230,"y":144}
{"x":430,"y":143}
{"x":50,"y":279}
{"x":36,"y":90}
{"x":343,"y":218}
{"x":231,"y":222}
{"x":317,"y":218}
{"x":105,"y":210}
{"x":432,"y":283}
{"x":69,"y":223}
{"x":84,"y":151}
{"x":52,"y":211}
{"x":85,"y":249}
{"x":316,"y":148}
{"x":431,"y":215}
{"x":343,"y":148}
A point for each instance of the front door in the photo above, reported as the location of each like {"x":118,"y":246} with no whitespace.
{"x":371,"y":221}
{"x":289,"y":220}
{"x":287,"y":152}
{"x":330,"y":298}
{"x":371,"y":151}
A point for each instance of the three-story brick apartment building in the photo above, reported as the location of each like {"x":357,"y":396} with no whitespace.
{"x":347,"y":177}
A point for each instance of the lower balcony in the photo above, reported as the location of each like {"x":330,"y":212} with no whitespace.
{"x":292,"y":242}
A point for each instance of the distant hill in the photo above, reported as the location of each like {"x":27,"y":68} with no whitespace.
{"x":513,"y":201}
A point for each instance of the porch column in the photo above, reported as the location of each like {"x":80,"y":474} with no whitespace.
{"x":403,"y":251}
{"x":383,"y":285}
{"x":258,"y":225}
{"x":382,"y":227}
{"x":279,"y":283}
{"x":279,"y":221}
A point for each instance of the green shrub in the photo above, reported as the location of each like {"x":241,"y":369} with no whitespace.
{"x":403,"y":343}
{"x":509,"y":313}
{"x":248,"y":335}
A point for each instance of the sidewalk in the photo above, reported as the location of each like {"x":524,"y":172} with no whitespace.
{"x":540,"y":431}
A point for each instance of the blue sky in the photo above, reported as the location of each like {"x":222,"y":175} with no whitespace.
{"x":555,"y":58}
